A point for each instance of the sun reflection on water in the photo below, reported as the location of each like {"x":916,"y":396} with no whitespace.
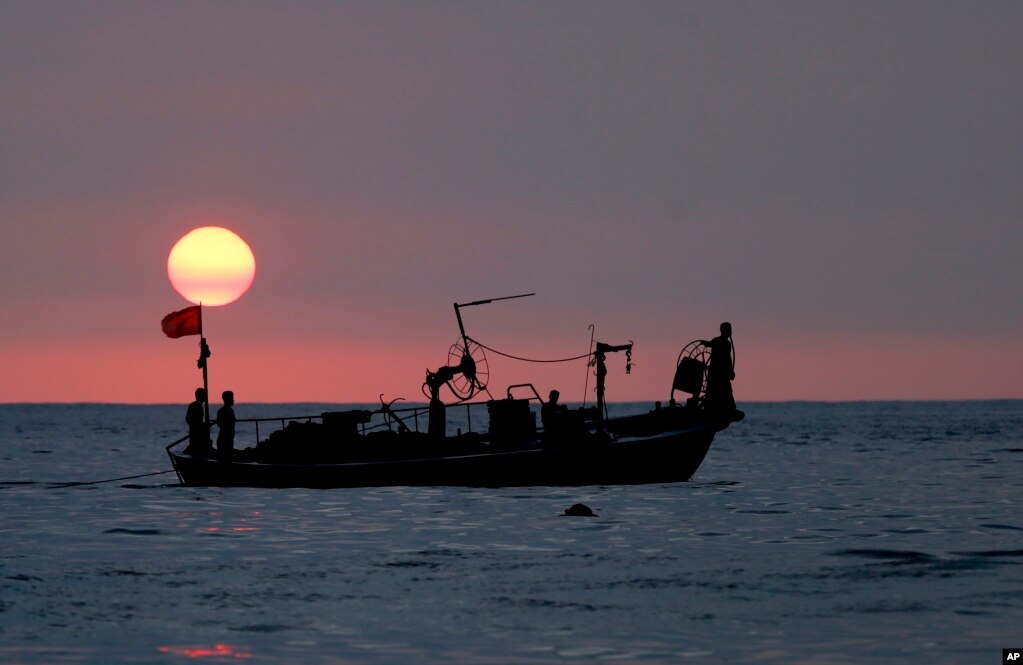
{"x":216,"y":651}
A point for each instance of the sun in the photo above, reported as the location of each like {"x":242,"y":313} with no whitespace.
{"x":211,"y":266}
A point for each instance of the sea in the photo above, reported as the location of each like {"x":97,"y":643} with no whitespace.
{"x":868,"y":532}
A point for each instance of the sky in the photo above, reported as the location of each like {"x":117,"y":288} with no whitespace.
{"x":839,"y":180}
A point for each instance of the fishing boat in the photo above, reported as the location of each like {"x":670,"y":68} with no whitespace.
{"x":413,"y":445}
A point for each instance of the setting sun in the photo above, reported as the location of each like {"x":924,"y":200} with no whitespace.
{"x":211,"y":265}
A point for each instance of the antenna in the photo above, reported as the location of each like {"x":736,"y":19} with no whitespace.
{"x":589,"y":363}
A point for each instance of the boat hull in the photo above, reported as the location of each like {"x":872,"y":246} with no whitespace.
{"x":665,"y":457}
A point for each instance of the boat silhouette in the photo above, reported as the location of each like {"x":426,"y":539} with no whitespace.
{"x":411,"y":446}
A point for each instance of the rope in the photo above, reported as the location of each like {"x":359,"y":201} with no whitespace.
{"x":529,"y":360}
{"x":111,"y":480}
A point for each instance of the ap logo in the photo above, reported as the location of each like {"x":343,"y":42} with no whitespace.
{"x":1012,"y":656}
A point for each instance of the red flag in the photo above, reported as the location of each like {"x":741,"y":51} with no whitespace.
{"x":181,"y":323}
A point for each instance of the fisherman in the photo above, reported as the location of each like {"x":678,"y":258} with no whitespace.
{"x":198,"y":431}
{"x":721,"y":372}
{"x":225,"y":423}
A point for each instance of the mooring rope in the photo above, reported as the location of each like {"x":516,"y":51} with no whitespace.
{"x":529,"y":360}
{"x":111,"y":480}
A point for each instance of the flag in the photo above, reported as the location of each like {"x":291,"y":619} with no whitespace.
{"x":183,"y":322}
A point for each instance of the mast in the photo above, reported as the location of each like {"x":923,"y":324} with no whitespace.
{"x":204,"y":353}
{"x":599,"y":357}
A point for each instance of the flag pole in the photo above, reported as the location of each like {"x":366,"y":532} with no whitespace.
{"x":203,"y":361}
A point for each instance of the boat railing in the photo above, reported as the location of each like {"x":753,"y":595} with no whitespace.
{"x":414,"y":418}
{"x":525,"y":385}
{"x":379,"y":419}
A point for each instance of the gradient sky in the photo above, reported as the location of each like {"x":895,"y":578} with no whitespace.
{"x":843,"y":181}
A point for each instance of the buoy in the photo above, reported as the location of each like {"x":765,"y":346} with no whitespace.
{"x":579,"y":510}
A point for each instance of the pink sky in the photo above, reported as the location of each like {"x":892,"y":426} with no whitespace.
{"x":327,"y":370}
{"x":840,"y":182}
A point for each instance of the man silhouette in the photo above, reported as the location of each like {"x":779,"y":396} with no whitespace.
{"x":550,"y":409}
{"x":198,"y":431}
{"x":225,"y":423}
{"x":720,"y":372}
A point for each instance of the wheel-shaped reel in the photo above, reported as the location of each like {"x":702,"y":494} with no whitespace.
{"x":691,"y":370}
{"x":474,"y":371}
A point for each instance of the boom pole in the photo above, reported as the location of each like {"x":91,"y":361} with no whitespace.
{"x":458,"y":314}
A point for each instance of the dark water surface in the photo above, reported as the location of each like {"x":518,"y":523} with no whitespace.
{"x":813,"y":533}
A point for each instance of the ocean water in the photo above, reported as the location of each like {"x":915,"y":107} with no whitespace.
{"x":813,"y":533}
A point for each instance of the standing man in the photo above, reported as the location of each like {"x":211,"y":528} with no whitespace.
{"x":198,"y":431}
{"x":225,"y":423}
{"x":720,"y":400}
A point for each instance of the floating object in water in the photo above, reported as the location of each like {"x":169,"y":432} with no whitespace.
{"x":579,"y":510}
